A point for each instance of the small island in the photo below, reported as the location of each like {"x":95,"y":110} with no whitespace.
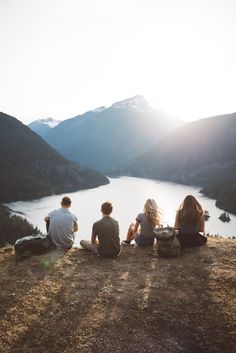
{"x":224,"y":217}
{"x":206,"y":215}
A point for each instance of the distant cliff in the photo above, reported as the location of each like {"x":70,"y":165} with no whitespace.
{"x":30,"y":168}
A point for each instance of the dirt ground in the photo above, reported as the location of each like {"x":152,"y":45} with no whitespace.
{"x":76,"y":302}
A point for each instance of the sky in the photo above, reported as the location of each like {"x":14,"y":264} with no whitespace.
{"x":60,"y":58}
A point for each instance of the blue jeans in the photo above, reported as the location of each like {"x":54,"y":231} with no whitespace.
{"x":144,"y":241}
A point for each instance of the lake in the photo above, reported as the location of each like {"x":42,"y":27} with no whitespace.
{"x":128,"y":196}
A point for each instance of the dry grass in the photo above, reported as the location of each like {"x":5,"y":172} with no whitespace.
{"x":75,"y":302}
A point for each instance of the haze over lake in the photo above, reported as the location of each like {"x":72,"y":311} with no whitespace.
{"x":128,"y":196}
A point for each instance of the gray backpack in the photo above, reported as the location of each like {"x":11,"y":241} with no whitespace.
{"x":167,"y":242}
{"x":31,"y":245}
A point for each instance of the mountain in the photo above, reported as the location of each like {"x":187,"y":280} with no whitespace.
{"x":106,"y":138}
{"x":42,"y":126}
{"x":30,"y":168}
{"x":202,"y":152}
{"x":225,"y":195}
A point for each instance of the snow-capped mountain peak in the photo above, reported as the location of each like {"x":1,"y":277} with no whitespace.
{"x":49,"y":121}
{"x":137,"y":103}
{"x":99,"y":110}
{"x":42,"y":126}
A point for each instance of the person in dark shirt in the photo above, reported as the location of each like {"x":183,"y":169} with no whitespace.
{"x":189,"y":223}
{"x":106,"y":231}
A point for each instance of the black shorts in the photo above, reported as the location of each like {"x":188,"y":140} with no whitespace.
{"x":191,"y":239}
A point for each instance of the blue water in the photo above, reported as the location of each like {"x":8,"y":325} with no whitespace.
{"x":128,"y":196}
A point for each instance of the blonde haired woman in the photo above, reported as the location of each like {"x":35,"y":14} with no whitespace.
{"x":147,"y":221}
{"x":190,"y":222}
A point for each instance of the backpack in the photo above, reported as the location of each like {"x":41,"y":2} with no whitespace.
{"x":168,"y":244}
{"x":32,"y":244}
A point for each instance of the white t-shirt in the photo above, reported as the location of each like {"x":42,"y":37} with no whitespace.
{"x":61,"y":227}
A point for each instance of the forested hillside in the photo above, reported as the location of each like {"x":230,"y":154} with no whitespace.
{"x":30,"y":168}
{"x":200,"y":153}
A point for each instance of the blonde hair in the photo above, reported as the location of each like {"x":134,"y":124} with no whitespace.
{"x":153,"y":212}
{"x":190,"y":209}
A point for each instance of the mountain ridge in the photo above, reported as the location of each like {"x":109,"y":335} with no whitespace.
{"x":30,"y":168}
{"x":109,"y":137}
{"x":42,"y":126}
{"x":199,"y":153}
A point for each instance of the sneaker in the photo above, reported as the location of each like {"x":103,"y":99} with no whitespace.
{"x":125,"y":242}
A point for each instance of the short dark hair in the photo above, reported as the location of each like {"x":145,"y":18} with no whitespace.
{"x":66,"y":201}
{"x":107,"y":208}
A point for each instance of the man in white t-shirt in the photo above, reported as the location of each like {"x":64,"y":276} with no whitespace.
{"x":61,"y":225}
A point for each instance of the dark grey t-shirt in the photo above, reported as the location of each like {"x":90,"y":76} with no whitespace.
{"x":146,"y":226}
{"x":107,"y":231}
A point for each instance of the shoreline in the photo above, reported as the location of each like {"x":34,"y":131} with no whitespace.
{"x":118,"y":191}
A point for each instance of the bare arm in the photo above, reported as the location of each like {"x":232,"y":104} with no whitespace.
{"x":93,"y":236}
{"x":177,"y":225}
{"x":75,"y":227}
{"x":202,"y":224}
{"x":136,"y":227}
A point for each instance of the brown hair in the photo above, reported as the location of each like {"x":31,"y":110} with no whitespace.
{"x":190,"y":210}
{"x":66,"y":201}
{"x":107,"y":208}
{"x":153,"y":212}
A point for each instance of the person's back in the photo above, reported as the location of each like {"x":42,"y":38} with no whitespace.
{"x":187,"y":227}
{"x":62,"y":225}
{"x":107,"y":230}
{"x":146,"y":226}
{"x":146,"y":221}
{"x":189,"y":222}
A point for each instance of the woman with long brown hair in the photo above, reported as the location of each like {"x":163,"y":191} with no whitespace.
{"x":146,"y":221}
{"x":190,"y":223}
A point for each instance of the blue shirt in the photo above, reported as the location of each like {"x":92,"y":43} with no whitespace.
{"x":61,"y":227}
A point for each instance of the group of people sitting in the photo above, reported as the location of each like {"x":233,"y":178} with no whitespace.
{"x":61,"y":226}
